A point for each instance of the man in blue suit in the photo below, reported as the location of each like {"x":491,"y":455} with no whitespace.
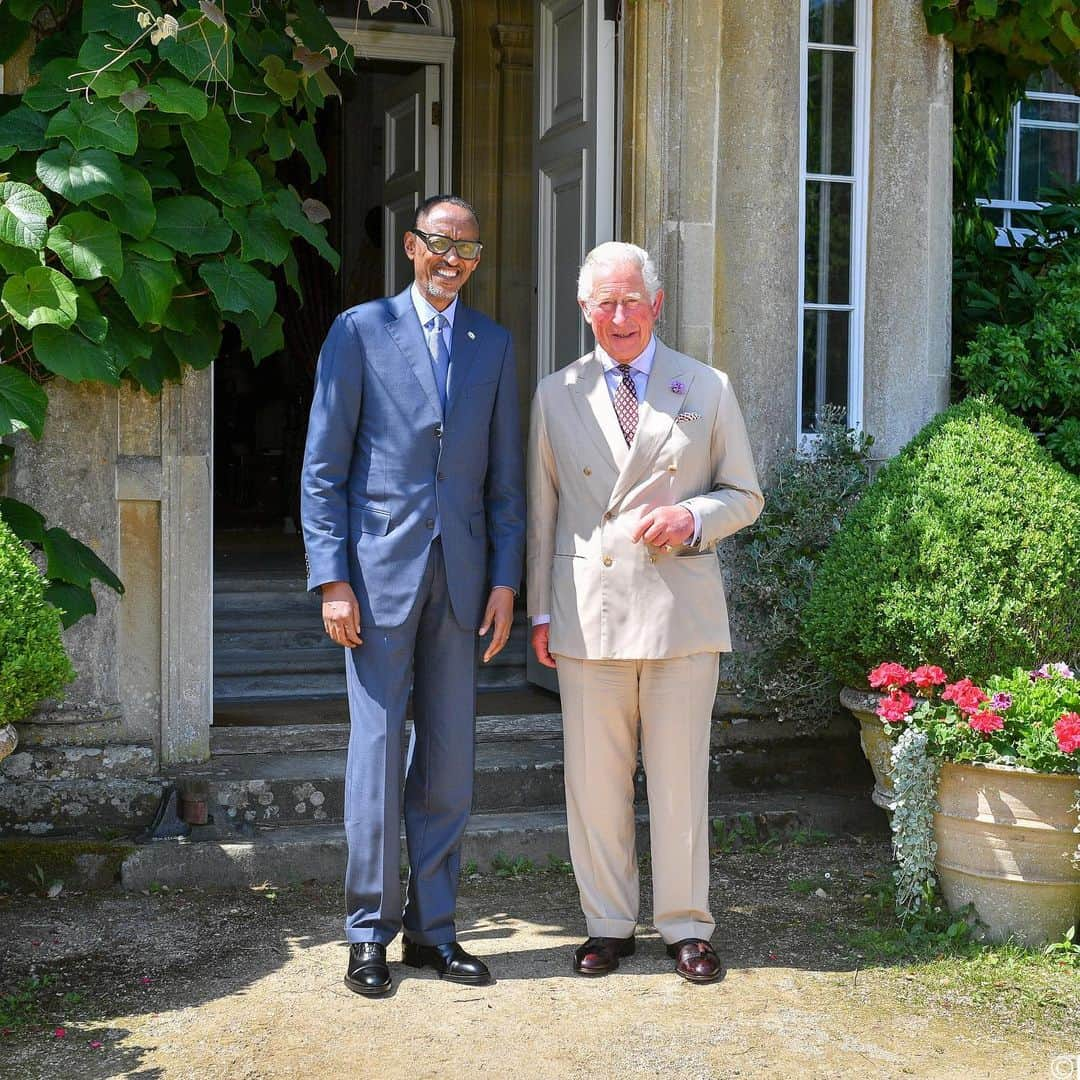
{"x":413,"y":510}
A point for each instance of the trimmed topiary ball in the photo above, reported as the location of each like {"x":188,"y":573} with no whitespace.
{"x":964,"y":552}
{"x":33,"y":663}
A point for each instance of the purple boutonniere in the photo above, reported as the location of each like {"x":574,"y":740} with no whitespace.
{"x":678,"y":387}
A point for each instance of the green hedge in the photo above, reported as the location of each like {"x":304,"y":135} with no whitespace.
{"x":965,"y":552}
{"x":33,"y":663}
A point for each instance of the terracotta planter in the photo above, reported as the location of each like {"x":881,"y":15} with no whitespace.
{"x":876,"y":744}
{"x":1006,"y":839}
{"x":8,"y":740}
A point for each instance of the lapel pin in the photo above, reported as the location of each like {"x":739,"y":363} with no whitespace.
{"x":678,"y":387}
{"x":470,"y":335}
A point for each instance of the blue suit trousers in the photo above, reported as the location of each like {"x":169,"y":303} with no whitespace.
{"x":438,"y":657}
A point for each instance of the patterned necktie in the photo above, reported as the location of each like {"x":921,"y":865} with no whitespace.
{"x":440,"y":355}
{"x":626,"y":403}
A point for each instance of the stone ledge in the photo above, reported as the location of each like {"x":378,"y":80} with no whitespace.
{"x":122,"y":761}
{"x":59,"y":807}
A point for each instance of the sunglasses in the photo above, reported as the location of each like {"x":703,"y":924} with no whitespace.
{"x":440,"y":245}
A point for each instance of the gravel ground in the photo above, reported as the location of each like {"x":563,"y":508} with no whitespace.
{"x":205,"y":984}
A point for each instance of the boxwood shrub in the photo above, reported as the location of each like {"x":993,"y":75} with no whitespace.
{"x":964,"y":552}
{"x":33,"y":663}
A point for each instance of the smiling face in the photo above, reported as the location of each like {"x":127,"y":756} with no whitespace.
{"x":620,"y":312}
{"x":440,"y":277}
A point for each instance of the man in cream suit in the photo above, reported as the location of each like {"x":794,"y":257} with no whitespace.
{"x":638,"y":465}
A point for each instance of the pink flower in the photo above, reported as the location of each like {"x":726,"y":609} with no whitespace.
{"x":889,"y":676}
{"x":1051,"y":669}
{"x":895,"y":707}
{"x":964,"y":694}
{"x":986,"y":722}
{"x":146,"y":980}
{"x":60,"y":1033}
{"x":927,"y":676}
{"x":1067,"y":732}
{"x":96,"y":1044}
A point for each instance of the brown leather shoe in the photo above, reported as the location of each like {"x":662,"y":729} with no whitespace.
{"x":600,"y":955}
{"x":696,"y":960}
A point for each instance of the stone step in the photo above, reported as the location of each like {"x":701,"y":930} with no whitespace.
{"x":301,"y":738}
{"x":258,"y":599}
{"x":324,"y":685}
{"x":514,"y":770}
{"x":265,"y":655}
{"x":318,"y":852}
{"x":250,"y":581}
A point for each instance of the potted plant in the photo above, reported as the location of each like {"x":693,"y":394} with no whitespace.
{"x":33,"y":663}
{"x":963,"y":554}
{"x":986,"y":788}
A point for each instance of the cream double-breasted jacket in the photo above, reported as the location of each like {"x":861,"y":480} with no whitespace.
{"x":608,"y":597}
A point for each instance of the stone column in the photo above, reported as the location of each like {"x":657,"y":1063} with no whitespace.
{"x":909,"y":257}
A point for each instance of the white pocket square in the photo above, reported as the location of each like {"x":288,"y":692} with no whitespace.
{"x":687,"y":417}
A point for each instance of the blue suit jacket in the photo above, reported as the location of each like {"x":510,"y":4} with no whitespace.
{"x":381,"y":461}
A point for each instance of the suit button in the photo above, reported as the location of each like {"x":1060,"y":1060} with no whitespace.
{"x":441,"y":476}
{"x":608,"y":560}
{"x":608,"y":515}
{"x":671,"y":468}
{"x":438,"y":432}
{"x":587,"y":471}
{"x":430,"y":523}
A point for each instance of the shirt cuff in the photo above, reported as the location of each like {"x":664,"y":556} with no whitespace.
{"x":540,"y":620}
{"x":696,"y":538}
{"x":508,"y":587}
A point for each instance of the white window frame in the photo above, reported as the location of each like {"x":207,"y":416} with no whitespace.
{"x":1007,"y":233}
{"x":859,"y":181}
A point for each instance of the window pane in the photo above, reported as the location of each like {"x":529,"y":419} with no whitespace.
{"x":1047,"y":156}
{"x":828,"y":242}
{"x":1049,"y":82}
{"x":832,"y":22}
{"x":825,"y":363}
{"x":829,"y":109}
{"x":1065,"y":112}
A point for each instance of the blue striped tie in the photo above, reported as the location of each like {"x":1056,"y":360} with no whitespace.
{"x":440,"y":355}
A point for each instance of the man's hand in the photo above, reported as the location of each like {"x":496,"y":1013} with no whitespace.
{"x":541,"y":634}
{"x":341,"y":614}
{"x":500,"y":613}
{"x":666,"y":526}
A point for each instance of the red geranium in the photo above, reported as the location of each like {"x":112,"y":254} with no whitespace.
{"x":1067,"y":731}
{"x":895,"y":707}
{"x":965,"y":695}
{"x":890,"y":676}
{"x":987,"y":722}
{"x":928,"y":676}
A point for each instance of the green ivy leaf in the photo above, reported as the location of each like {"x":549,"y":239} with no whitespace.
{"x":15,"y":260}
{"x":191,"y":225}
{"x":13,"y":32}
{"x":40,"y":296}
{"x":74,"y":356}
{"x":79,"y":175}
{"x":239,"y":287}
{"x":103,"y":50}
{"x":24,"y":216}
{"x":118,"y":20}
{"x":111,"y":84}
{"x":986,"y":9}
{"x":238,"y":184}
{"x":284,"y":82}
{"x":155,"y":369}
{"x":278,"y":141}
{"x":203,"y":55}
{"x":174,"y":96}
{"x":24,"y":128}
{"x":261,"y":235}
{"x":95,"y":125}
{"x":303,"y":137}
{"x":89,"y":246}
{"x":147,"y":287}
{"x":72,"y":561}
{"x":208,"y":140}
{"x":72,"y":602}
{"x":24,"y":521}
{"x":22,"y":402}
{"x":287,"y":210}
{"x":132,"y":212}
{"x":261,"y":341}
{"x":153,"y":249}
{"x":90,"y":321}
{"x":193,"y":330}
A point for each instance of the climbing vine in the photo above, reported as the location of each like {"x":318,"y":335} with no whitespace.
{"x":142,"y":204}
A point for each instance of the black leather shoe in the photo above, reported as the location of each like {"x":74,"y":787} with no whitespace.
{"x":696,"y":960}
{"x":600,"y":955}
{"x":451,"y":961}
{"x":368,"y":973}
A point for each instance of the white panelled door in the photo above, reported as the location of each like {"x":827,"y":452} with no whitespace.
{"x":574,"y":166}
{"x":410,"y":164}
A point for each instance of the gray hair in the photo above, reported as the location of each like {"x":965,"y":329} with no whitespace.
{"x":617,"y":253}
